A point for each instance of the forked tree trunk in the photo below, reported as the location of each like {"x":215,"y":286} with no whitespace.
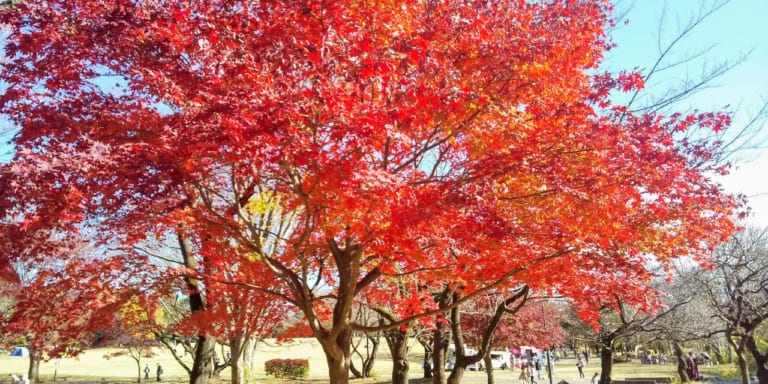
{"x":682,"y":367}
{"x":338,"y":355}
{"x":202,"y":367}
{"x":397,"y":342}
{"x":336,"y":339}
{"x":137,"y":359}
{"x":606,"y":359}
{"x":237,"y":371}
{"x":367,"y":357}
{"x":438,"y":354}
{"x":738,"y":345}
{"x":743,"y":367}
{"x":34,"y":366}
{"x":761,"y":359}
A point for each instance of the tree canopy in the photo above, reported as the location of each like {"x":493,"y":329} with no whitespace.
{"x":346,"y":148}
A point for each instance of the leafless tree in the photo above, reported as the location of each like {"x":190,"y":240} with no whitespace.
{"x":687,"y":318}
{"x":681,"y":70}
{"x":736,"y":289}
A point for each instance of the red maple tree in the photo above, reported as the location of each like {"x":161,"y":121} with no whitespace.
{"x":59,"y":308}
{"x":346,"y":145}
{"x":536,"y":324}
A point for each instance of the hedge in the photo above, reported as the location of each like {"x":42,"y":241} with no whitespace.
{"x":287,"y":368}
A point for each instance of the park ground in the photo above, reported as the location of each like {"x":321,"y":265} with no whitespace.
{"x":92,"y":367}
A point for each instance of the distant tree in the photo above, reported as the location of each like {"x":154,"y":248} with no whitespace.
{"x":687,"y":317}
{"x":509,"y":321}
{"x":133,"y":332}
{"x":736,"y":287}
{"x":481,"y":333}
{"x":59,"y":308}
{"x":365,"y":346}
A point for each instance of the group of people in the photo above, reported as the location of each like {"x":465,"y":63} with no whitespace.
{"x":19,"y":380}
{"x":654,"y":359}
{"x":527,"y":369}
{"x":158,"y":372}
{"x":692,"y":366}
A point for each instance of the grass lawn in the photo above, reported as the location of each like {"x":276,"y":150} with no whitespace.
{"x":92,"y":367}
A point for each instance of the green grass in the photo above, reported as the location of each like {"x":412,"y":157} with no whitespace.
{"x":91,"y":366}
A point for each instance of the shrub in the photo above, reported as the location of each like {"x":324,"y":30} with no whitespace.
{"x":730,"y":371}
{"x":287,"y":368}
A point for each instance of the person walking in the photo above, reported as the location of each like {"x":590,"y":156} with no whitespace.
{"x":524,"y":374}
{"x":146,"y":372}
{"x":159,"y":371}
{"x":580,"y":366}
{"x":427,"y":368}
{"x":537,"y":365}
{"x":595,"y":379}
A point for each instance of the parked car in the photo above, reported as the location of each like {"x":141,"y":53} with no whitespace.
{"x":500,"y":359}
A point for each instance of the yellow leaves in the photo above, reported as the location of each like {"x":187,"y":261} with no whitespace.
{"x":135,"y":316}
{"x":262,"y":203}
{"x":134,"y":310}
{"x":253,"y":257}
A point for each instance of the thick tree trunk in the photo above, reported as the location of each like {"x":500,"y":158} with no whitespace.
{"x":438,"y":354}
{"x":338,"y":355}
{"x":397,"y":342}
{"x":761,"y":360}
{"x":237,"y":371}
{"x":743,"y":367}
{"x":456,"y":374}
{"x":682,"y":366}
{"x":34,"y":366}
{"x":458,"y":343}
{"x":336,"y":339}
{"x":606,"y":359}
{"x":202,"y":367}
{"x":738,"y":345}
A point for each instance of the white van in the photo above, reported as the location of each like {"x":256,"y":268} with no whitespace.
{"x":451,"y":360}
{"x":500,"y":359}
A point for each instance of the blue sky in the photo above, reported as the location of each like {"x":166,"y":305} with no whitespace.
{"x":738,"y":28}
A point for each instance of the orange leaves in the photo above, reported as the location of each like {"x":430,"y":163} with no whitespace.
{"x":452,"y":143}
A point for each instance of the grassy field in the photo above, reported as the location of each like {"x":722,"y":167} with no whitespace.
{"x":91,"y":366}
